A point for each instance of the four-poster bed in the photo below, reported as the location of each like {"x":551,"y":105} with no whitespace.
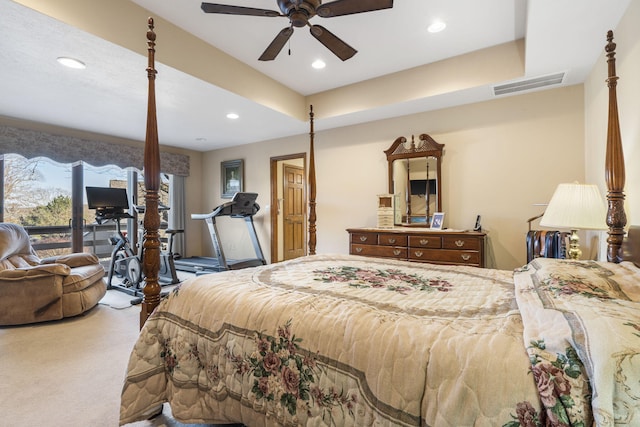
{"x":347,"y":340}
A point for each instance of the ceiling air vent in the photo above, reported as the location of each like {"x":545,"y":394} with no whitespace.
{"x":528,"y":84}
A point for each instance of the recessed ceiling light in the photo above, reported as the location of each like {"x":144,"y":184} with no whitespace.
{"x":232,"y":116}
{"x":71,"y":63}
{"x":201,"y":139}
{"x":436,"y":27}
{"x":318,"y":64}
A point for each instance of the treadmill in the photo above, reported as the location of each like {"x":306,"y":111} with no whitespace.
{"x":244,"y":206}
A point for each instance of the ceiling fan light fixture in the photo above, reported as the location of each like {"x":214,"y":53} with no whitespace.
{"x":71,"y":63}
{"x":298,"y":19}
{"x":318,"y":64}
{"x":436,"y":27}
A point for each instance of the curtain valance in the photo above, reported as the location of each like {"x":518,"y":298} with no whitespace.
{"x":67,"y":149}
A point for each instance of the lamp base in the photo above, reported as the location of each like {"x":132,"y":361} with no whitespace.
{"x":574,"y":251}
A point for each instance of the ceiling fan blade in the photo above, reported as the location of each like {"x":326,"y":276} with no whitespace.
{"x":348,"y":7}
{"x":332,"y":42}
{"x":276,"y":45}
{"x":237,"y":10}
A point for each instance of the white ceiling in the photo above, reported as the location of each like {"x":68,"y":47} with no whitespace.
{"x":109,"y":98}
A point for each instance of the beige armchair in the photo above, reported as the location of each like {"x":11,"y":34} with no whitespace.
{"x":37,"y":290}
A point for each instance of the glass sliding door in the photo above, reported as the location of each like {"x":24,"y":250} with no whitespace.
{"x":49,"y":200}
{"x":37,"y":195}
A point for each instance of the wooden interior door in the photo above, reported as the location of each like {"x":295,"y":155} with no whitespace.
{"x":293,"y":211}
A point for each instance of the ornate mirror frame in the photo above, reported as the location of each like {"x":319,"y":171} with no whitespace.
{"x":426,"y":147}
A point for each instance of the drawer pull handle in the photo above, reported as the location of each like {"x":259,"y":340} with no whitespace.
{"x":459,"y":243}
{"x":466,"y":257}
{"x":358,"y":250}
{"x":363,"y":238}
{"x":419,"y":253}
{"x":424,"y":242}
{"x":396,"y":252}
{"x":392,"y":241}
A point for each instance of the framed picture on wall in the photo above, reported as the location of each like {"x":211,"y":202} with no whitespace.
{"x":232,"y":177}
{"x":437,"y":220}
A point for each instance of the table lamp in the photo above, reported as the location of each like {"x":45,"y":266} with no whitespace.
{"x":576,"y":207}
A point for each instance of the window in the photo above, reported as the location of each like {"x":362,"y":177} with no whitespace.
{"x":77,"y":153}
{"x":38,"y":194}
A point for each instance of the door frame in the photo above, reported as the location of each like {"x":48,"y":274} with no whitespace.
{"x":273,"y":162}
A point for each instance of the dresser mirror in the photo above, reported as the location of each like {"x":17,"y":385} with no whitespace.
{"x":415,"y":179}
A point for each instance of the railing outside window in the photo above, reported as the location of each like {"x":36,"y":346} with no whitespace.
{"x":56,"y":240}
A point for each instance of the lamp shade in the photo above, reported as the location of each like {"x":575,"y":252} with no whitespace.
{"x":576,"y":206}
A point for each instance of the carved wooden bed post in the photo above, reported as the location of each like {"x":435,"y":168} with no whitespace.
{"x":151,"y":257}
{"x":614,"y":163}
{"x":312,"y":187}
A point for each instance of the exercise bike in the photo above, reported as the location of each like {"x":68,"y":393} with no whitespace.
{"x":125,"y":263}
{"x":112,"y":204}
{"x":167,"y":274}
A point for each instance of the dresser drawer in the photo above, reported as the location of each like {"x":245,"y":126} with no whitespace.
{"x":427,"y":241}
{"x":414,"y":244}
{"x":445,"y":256}
{"x":392,"y":240}
{"x":365,"y":238}
{"x":461,"y":242}
{"x":378,"y":251}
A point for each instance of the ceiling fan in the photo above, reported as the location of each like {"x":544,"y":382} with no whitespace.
{"x":299,"y":12}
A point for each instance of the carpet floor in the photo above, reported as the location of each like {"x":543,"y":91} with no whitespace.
{"x":69,"y":373}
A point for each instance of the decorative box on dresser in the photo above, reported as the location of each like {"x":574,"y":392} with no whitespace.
{"x":419,"y":245}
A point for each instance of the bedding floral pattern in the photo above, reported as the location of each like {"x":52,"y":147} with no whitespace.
{"x":341,"y":340}
{"x":579,"y":319}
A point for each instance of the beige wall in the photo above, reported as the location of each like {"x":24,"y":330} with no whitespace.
{"x":627,"y":38}
{"x":500,"y":158}
{"x":233,"y":232}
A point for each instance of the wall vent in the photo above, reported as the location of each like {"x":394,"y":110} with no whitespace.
{"x":528,"y":84}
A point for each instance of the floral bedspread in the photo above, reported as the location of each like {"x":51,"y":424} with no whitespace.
{"x":582,"y":329}
{"x":338,"y":340}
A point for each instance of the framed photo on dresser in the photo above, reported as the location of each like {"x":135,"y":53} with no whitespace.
{"x":437,"y":220}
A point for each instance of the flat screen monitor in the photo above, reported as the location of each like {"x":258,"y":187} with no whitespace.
{"x":244,"y":204}
{"x":107,"y":199}
{"x":419,"y":186}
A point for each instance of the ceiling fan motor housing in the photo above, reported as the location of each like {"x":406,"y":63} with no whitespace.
{"x":299,"y":11}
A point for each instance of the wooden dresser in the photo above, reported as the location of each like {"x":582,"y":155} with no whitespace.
{"x":419,"y":245}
